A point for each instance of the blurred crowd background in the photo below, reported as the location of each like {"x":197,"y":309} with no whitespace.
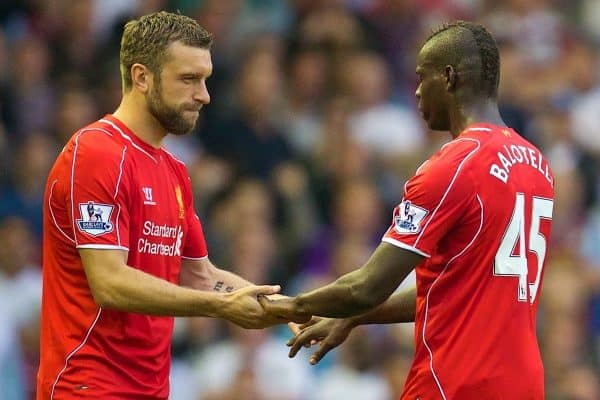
{"x":297,"y":164}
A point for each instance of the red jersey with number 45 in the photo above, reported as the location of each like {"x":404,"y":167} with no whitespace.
{"x":110,"y":190}
{"x":480,"y":211}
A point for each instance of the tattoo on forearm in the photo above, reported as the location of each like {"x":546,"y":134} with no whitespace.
{"x":220,"y":285}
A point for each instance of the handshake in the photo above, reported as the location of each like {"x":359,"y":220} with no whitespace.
{"x":258,"y":307}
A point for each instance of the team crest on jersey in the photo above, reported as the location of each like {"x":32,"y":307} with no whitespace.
{"x":95,"y":218}
{"x":408,"y":217}
{"x":179,"y":197}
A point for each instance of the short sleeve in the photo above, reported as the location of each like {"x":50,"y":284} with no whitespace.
{"x":434,"y":201}
{"x":195,"y":243}
{"x":97,"y":195}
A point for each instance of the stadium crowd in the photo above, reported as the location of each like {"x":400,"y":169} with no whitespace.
{"x":297,"y":164}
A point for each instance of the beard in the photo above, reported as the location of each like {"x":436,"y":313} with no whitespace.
{"x":171,"y":118}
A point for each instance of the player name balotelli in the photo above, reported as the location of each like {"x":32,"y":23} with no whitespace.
{"x":517,"y":154}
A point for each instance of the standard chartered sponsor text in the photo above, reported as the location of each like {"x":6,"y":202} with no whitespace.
{"x":151,"y":230}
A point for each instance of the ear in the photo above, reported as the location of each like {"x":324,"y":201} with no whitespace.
{"x":141,"y":77}
{"x":451,"y":78}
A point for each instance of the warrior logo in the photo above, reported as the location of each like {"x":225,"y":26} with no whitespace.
{"x":148,"y":196}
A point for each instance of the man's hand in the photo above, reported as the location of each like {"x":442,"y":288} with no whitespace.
{"x":331,"y":332}
{"x":283,"y":308}
{"x":243,"y":308}
{"x":297,"y":328}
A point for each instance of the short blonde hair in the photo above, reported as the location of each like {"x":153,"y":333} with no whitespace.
{"x":146,"y":39}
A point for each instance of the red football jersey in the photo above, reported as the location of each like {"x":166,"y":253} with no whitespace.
{"x":480,"y":211}
{"x":110,"y":190}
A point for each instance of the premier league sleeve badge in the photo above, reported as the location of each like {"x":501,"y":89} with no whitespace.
{"x":95,"y":218}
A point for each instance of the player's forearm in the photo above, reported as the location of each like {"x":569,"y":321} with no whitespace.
{"x":205,"y":276}
{"x":226,"y":281}
{"x":400,"y":307}
{"x":343,"y":298}
{"x":133,"y":290}
{"x":363,"y":289}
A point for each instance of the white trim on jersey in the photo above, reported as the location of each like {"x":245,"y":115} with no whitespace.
{"x":405,"y":246}
{"x":52,"y":212}
{"x":117,"y":192}
{"x":129,"y":139}
{"x":458,"y":169}
{"x":75,"y":350}
{"x":437,"y":381}
{"x":99,"y":129}
{"x":173,"y":157}
{"x":101,"y":246}
{"x":78,"y":134}
{"x":478,"y":129}
{"x":73,"y":222}
{"x":81,"y":132}
{"x":120,"y":172}
{"x":195,"y":258}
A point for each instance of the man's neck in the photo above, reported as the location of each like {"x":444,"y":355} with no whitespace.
{"x":477,"y":112}
{"x":134,"y":114}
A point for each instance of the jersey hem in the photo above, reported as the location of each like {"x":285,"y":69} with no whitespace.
{"x":404,"y":246}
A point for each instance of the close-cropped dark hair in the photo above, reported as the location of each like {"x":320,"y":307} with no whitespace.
{"x":488,"y":52}
{"x":145,"y":41}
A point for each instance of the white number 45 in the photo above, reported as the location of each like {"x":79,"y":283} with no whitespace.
{"x":507,"y":264}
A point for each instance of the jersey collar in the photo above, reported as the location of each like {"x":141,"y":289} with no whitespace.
{"x":130,"y":135}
